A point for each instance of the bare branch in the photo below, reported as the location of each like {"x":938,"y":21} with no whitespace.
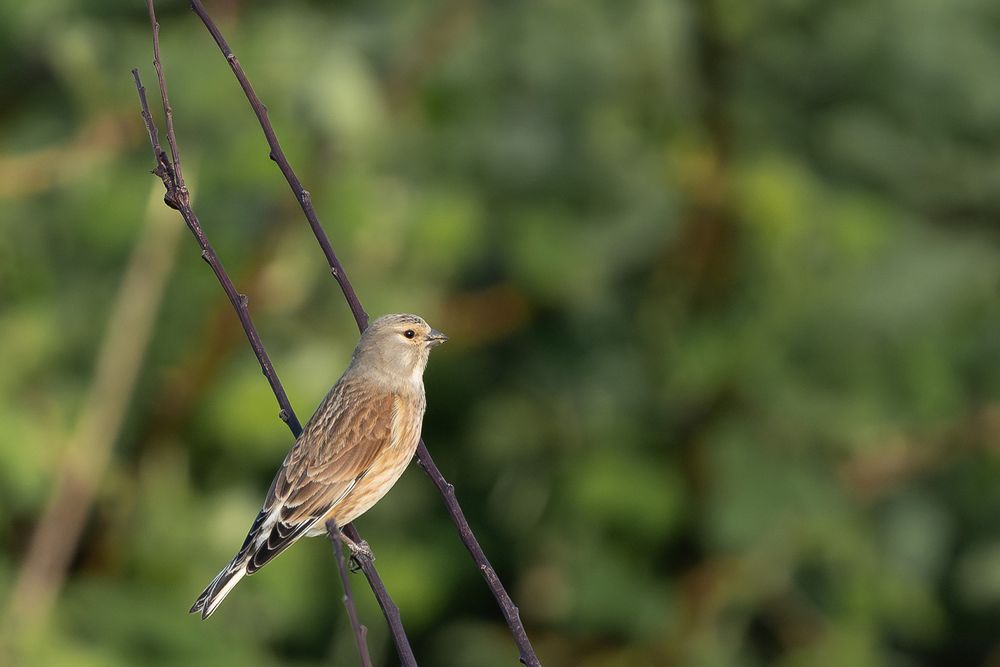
{"x":278,"y":156}
{"x":173,"y":199}
{"x":168,"y":111}
{"x":352,"y":612}
{"x":424,"y":459}
{"x":177,"y":197}
{"x":510,"y":611}
{"x":389,"y":607}
{"x":181,"y":200}
{"x":239,"y":301}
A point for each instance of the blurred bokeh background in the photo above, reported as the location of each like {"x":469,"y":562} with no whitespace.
{"x":721,"y":280}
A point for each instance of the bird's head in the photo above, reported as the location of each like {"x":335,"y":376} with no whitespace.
{"x":396,"y":347}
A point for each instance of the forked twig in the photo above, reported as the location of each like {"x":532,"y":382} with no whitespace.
{"x":447,"y":490}
{"x":182,"y":204}
{"x":177,"y":197}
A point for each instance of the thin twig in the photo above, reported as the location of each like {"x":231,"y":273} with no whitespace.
{"x":168,"y":111}
{"x":389,"y":608}
{"x":177,"y":197}
{"x":287,"y":414}
{"x":276,"y":154}
{"x":510,"y":611}
{"x":352,"y":612}
{"x":181,"y":200}
{"x":175,"y":200}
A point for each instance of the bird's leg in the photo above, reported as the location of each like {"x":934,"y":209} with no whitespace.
{"x":358,"y":551}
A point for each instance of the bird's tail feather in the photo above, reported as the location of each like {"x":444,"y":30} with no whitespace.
{"x":219,"y":588}
{"x":266,"y":538}
{"x":216,"y":592}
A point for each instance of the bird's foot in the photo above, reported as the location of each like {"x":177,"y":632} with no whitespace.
{"x":358,"y":551}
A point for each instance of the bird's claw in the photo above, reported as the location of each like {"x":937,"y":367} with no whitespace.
{"x":358,"y":552}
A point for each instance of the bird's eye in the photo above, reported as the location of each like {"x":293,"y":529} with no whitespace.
{"x":409,"y":333}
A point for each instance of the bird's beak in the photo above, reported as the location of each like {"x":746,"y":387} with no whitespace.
{"x":435,"y":337}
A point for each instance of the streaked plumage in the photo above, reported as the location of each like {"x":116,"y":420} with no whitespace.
{"x":350,"y":453}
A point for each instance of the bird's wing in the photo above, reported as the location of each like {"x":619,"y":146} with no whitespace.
{"x":336,"y":450}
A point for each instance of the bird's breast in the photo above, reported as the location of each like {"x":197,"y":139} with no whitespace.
{"x":408,"y":414}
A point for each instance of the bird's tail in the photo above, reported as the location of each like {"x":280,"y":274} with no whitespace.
{"x":219,"y":588}
{"x":266,"y":538}
{"x":216,"y":592}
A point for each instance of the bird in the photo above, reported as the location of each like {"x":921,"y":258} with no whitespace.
{"x":350,"y":453}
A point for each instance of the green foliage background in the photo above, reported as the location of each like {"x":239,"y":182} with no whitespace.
{"x":721,"y":279}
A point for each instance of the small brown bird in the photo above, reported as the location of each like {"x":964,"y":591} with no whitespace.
{"x":354,"y":448}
